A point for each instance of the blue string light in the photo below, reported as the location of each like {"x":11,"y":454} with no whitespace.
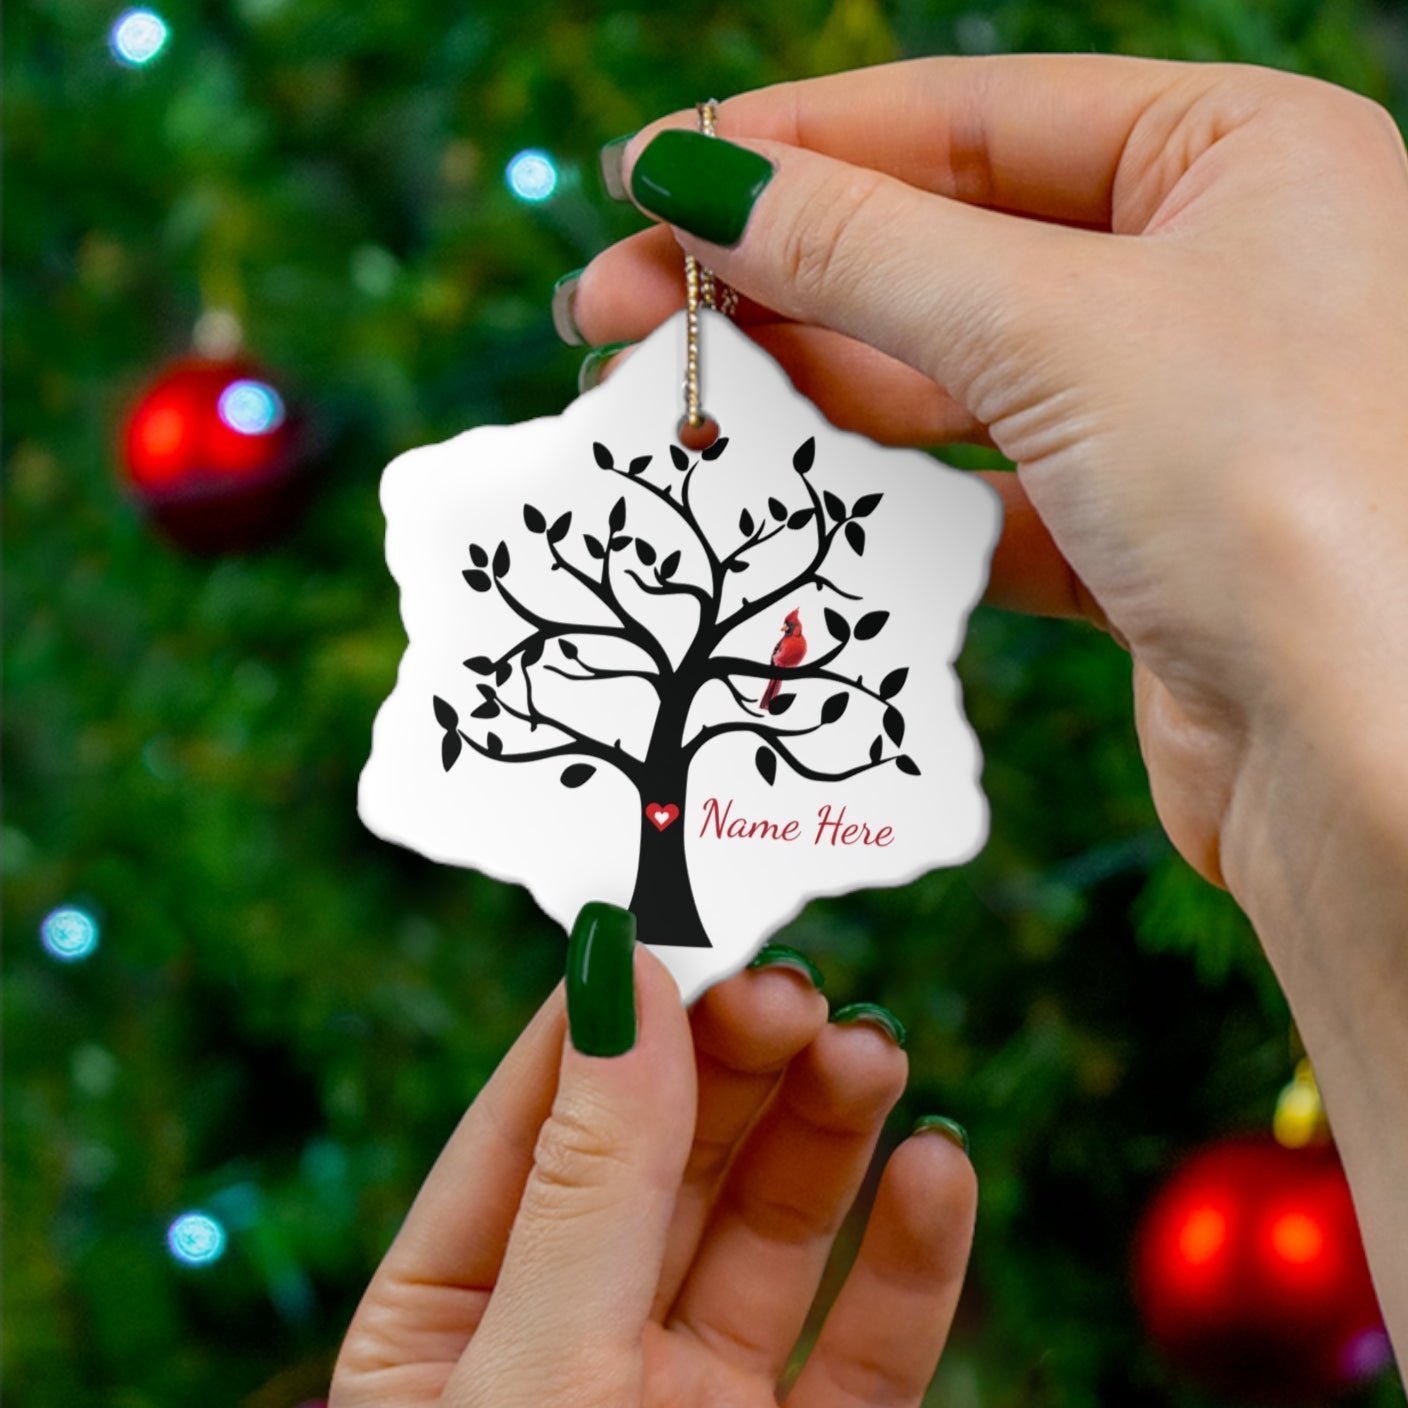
{"x":137,"y":37}
{"x":532,"y":176}
{"x":68,"y":934}
{"x":251,"y":407}
{"x":196,"y":1239}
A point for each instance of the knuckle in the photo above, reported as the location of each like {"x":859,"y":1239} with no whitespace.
{"x":579,"y":1156}
{"x":821,"y":243}
{"x":1315,"y":113}
{"x":784,"y":1220}
{"x":865,"y":1378}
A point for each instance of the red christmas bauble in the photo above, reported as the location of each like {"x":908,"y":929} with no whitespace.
{"x":1251,"y":1274}
{"x":215,"y":453}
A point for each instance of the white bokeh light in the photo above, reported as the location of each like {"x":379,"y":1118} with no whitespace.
{"x":251,"y":407}
{"x":196,"y":1239}
{"x":69,"y":934}
{"x":532,"y":175}
{"x":137,"y":37}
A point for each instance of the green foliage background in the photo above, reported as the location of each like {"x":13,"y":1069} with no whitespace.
{"x":286,"y":1017}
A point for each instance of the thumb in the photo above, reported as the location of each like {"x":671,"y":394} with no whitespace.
{"x":564,"y":1319}
{"x":955,"y":290}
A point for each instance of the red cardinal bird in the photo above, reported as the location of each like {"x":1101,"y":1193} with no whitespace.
{"x":788,"y":653}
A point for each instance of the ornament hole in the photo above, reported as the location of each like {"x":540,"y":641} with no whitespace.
{"x":697,"y":437}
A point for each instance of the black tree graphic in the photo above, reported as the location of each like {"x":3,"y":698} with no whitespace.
{"x":663,"y":901}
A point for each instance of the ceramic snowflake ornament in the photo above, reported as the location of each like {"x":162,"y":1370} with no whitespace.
{"x":707,"y":687}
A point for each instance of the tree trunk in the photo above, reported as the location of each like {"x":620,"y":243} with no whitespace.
{"x":663,"y":902}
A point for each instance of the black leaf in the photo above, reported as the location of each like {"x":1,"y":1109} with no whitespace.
{"x":766,"y":762}
{"x":800,"y":519}
{"x":644,"y":551}
{"x":745,"y":523}
{"x":716,"y":449}
{"x":679,"y":458}
{"x":855,"y":536}
{"x":778,"y":509}
{"x":616,"y":544}
{"x":871,"y":624}
{"x":617,"y":521}
{"x":893,"y":723}
{"x":836,"y":624}
{"x":670,"y":566}
{"x":487,"y":690}
{"x":450,"y":747}
{"x":877,"y":748}
{"x":533,"y":520}
{"x":738,"y":565}
{"x":445,"y":714}
{"x":637,"y":465}
{"x":494,"y":744}
{"x":501,"y":560}
{"x":480,"y":664}
{"x":866,"y":505}
{"x":558,"y":531}
{"x":893,"y":683}
{"x":502,"y":673}
{"x":834,"y":506}
{"x":781,"y":703}
{"x":487,"y":710}
{"x":907,"y":764}
{"x":533,"y":652}
{"x":568,"y":649}
{"x":577,"y":774}
{"x":603,"y":455}
{"x":478,"y":580}
{"x":834,"y":707}
{"x":594,"y":545}
{"x":804,"y":454}
{"x":478,"y":556}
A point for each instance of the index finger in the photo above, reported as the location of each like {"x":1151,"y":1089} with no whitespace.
{"x":1045,"y":135}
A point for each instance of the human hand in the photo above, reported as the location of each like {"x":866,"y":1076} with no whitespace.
{"x":650,"y":1228}
{"x":1207,"y":413}
{"x":1176,"y":296}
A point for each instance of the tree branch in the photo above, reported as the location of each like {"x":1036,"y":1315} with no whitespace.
{"x":597,"y":674}
{"x":757,"y":539}
{"x":721,"y":666}
{"x":670,"y":588}
{"x":680,"y":507}
{"x":772,"y":737}
{"x":742,"y":703}
{"x":819,"y":581}
{"x":713,"y":731}
{"x":605,"y":593}
{"x":824,"y":538}
{"x":588,"y":748}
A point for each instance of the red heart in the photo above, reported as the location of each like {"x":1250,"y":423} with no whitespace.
{"x":661,"y":817}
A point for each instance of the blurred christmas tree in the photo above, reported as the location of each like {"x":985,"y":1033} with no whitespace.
{"x":241,"y":1003}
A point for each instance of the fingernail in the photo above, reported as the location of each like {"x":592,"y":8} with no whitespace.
{"x":601,"y":996}
{"x":780,"y":956}
{"x":702,"y":184}
{"x":593,"y":366}
{"x":563,"y":293}
{"x":612,"y":178}
{"x":876,"y":1016}
{"x":941,"y":1124}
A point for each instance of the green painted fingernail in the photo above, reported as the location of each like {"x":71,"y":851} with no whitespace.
{"x":877,"y":1016}
{"x":780,"y":956}
{"x":601,"y":995}
{"x":702,"y":184}
{"x":611,"y":176}
{"x":563,"y":293}
{"x":589,"y":374}
{"x":941,"y":1124}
